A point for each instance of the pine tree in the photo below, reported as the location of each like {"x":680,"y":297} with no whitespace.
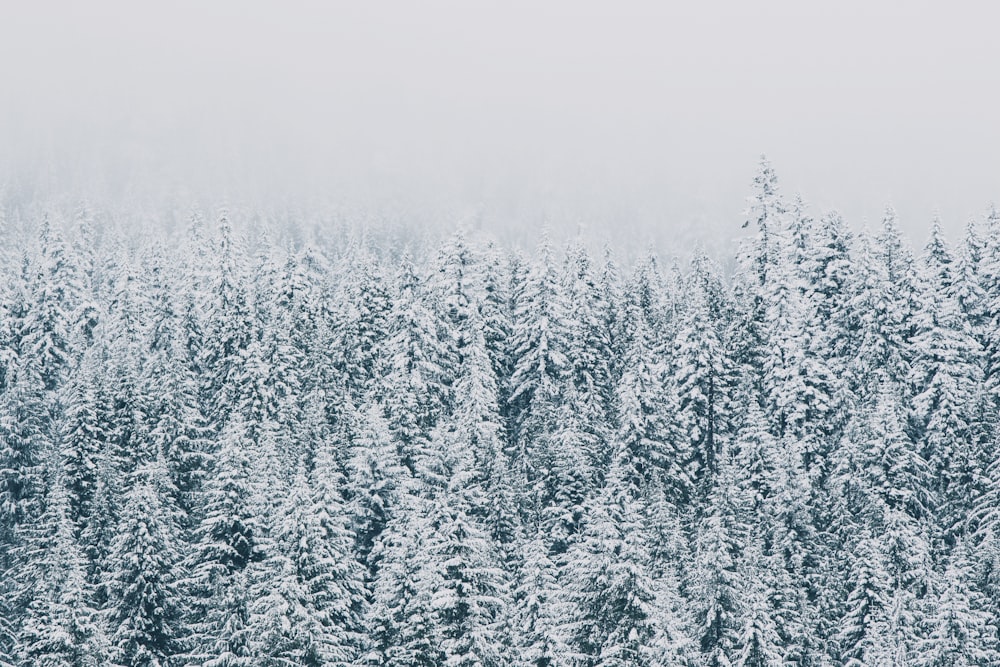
{"x":867,"y":607}
{"x":703,"y":369}
{"x":229,"y":333}
{"x":124,"y":331}
{"x":178,"y":427}
{"x":648,"y":289}
{"x":143,"y":612}
{"x":454,"y":286}
{"x":60,"y":625}
{"x":759,"y":643}
{"x":540,"y":609}
{"x":305,"y":599}
{"x":797,"y":383}
{"x":540,"y":362}
{"x":470,"y":601}
{"x":614,"y":595}
{"x":771,"y":481}
{"x":589,"y":338}
{"x":24,"y":442}
{"x":961,"y":630}
{"x":766,"y":211}
{"x":646,"y":404}
{"x":362,"y":326}
{"x":224,"y":545}
{"x":947,"y":380}
{"x":828,"y":270}
{"x":564,"y":477}
{"x":989,"y":270}
{"x":339,"y":578}
{"x":495,"y":314}
{"x":968,"y":281}
{"x":886,"y":486}
{"x":375,"y":477}
{"x":82,"y":436}
{"x":985,"y":518}
{"x":881,"y":308}
{"x":83,"y":258}
{"x":401,"y":617}
{"x":56,"y":294}
{"x":713,"y":585}
{"x":422,"y":368}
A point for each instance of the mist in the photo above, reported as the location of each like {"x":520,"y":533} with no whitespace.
{"x":636,"y":120}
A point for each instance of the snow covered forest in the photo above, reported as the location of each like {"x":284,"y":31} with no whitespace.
{"x":226,"y":447}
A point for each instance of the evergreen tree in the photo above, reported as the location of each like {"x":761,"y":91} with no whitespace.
{"x":82,"y":436}
{"x":375,"y":478}
{"x":759,"y":642}
{"x":713,"y":585}
{"x":422,"y":368}
{"x":224,"y":545}
{"x":540,"y":628}
{"x":56,"y":294}
{"x":25,"y":439}
{"x":961,"y":631}
{"x":614,"y":595}
{"x":880,"y":314}
{"x":339,"y":577}
{"x":305,"y":594}
{"x":143,"y":612}
{"x":60,"y":625}
{"x":703,"y":369}
{"x":471,"y":598}
{"x":540,"y":362}
{"x":589,"y":338}
{"x":229,"y":332}
{"x":362,"y":326}
{"x":947,"y":380}
{"x":645,"y":405}
{"x":866,"y":621}
{"x":401,"y":620}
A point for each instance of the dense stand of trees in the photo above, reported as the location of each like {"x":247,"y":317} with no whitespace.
{"x":233,"y":451}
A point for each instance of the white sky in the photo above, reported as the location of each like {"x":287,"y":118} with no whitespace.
{"x":646,"y":117}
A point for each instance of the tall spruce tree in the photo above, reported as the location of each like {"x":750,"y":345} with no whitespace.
{"x":143,"y":611}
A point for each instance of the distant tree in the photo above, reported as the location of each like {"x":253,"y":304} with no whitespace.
{"x":361,"y":325}
{"x":422,"y":367}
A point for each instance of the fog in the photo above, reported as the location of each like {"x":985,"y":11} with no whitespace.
{"x":638,"y":119}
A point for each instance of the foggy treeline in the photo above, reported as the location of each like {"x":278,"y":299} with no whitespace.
{"x":235,"y":447}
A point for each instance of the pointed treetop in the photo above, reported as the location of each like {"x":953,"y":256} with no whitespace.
{"x":765,"y":200}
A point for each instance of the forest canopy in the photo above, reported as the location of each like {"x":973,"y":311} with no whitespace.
{"x":238,"y":445}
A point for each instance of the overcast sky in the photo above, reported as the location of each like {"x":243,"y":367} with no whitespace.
{"x":639,"y":116}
